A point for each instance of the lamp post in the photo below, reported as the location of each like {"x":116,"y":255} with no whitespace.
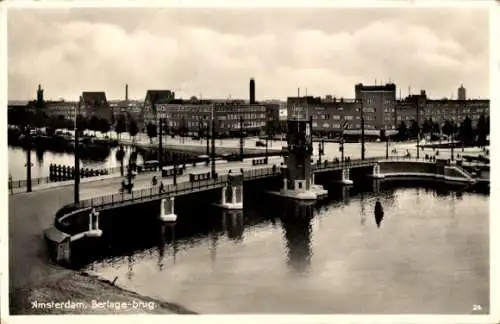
{"x":160,"y":143}
{"x":386,"y":145}
{"x":77,"y":154}
{"x":418,"y":129}
{"x":241,"y":137}
{"x":321,"y":148}
{"x":213,"y":147}
{"x":208,"y":136}
{"x":28,"y":157}
{"x":362,"y":129}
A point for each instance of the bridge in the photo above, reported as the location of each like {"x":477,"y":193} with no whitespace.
{"x":297,"y":178}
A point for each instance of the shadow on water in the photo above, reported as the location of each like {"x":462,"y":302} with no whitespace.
{"x":199,"y":221}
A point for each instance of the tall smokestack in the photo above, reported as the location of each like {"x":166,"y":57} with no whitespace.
{"x":252,"y":91}
{"x":126,"y":92}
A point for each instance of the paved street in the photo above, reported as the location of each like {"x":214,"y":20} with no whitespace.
{"x":100,"y":186}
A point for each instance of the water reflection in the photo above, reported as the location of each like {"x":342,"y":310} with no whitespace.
{"x":379,"y":213}
{"x":39,"y":156}
{"x":296,"y":225}
{"x":214,"y":238}
{"x":232,"y":224}
{"x":362,"y":203}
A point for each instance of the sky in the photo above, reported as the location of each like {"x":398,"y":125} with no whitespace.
{"x":214,"y":52}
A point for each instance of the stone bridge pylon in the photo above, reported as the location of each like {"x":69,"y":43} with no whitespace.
{"x":297,"y":175}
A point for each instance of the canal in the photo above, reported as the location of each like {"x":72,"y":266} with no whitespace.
{"x":41,"y":160}
{"x":427,"y":252}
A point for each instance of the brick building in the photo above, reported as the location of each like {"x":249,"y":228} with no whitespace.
{"x":95,"y":104}
{"x":190,"y":116}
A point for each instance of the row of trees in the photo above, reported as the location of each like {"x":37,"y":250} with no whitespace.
{"x":465,"y":131}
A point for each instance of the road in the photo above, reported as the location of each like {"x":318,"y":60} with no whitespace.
{"x":142,"y":181}
{"x":100,"y":186}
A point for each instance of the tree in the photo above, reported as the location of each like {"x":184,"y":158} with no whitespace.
{"x":104,"y":126}
{"x":414,"y":129}
{"x":427,"y":126}
{"x":466,"y":131}
{"x":81,"y":123}
{"x":481,"y":129}
{"x":94,"y":124}
{"x":133,"y":129}
{"x":121,"y":126}
{"x":447,"y":128}
{"x":151,"y":131}
{"x":402,"y":131}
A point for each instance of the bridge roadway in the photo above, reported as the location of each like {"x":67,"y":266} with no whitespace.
{"x":150,"y":193}
{"x":103,"y":185}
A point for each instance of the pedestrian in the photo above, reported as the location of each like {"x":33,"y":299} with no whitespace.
{"x":10,"y":185}
{"x":162,"y":189}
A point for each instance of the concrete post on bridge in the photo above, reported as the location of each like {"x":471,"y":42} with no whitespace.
{"x":345,"y":177}
{"x":376,"y":172}
{"x":167,"y":213}
{"x":94,"y":230}
{"x":232,"y":192}
{"x":298,"y":180}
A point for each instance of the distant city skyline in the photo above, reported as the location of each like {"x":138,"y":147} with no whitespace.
{"x":215,"y":52}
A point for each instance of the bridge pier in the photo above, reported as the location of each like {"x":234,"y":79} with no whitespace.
{"x":232,"y":193}
{"x":346,"y":173}
{"x":94,"y":230}
{"x":167,"y":213}
{"x":376,"y":172}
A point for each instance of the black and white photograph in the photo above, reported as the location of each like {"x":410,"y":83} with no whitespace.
{"x":238,"y":160}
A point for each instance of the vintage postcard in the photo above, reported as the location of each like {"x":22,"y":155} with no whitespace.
{"x":236,"y":159}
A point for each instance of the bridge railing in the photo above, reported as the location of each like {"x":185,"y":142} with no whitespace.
{"x":151,"y":193}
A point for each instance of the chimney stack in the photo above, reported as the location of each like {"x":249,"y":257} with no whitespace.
{"x":252,"y":91}
{"x":126,"y":92}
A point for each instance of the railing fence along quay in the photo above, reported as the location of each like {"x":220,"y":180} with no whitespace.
{"x":153,"y":193}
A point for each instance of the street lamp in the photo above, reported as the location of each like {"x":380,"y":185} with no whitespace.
{"x":207,"y":130}
{"x":27,"y":131}
{"x":362,"y":117}
{"x":241,"y":137}
{"x":77,"y":154}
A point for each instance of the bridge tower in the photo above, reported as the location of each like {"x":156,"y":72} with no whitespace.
{"x":232,"y":192}
{"x":298,"y":177}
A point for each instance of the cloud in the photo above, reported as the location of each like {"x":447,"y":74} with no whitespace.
{"x":216,"y":51}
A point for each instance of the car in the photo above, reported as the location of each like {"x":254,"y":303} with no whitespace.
{"x":260,"y":143}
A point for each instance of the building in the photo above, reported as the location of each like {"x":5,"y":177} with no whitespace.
{"x":440,"y":110}
{"x":381,"y":110}
{"x":461,"y":93}
{"x":152,"y":99}
{"x":379,"y":105}
{"x":95,"y":104}
{"x":191,"y":118}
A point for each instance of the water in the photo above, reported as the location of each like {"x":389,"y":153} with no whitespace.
{"x":429,"y":255}
{"x":42,"y":160}
{"x":17,"y":158}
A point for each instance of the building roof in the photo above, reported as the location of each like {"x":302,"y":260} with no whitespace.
{"x":159,"y":96}
{"x":12,"y":103}
{"x":97,"y":98}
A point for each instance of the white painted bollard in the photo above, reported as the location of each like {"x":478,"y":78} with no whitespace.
{"x":94,"y":230}
{"x":376,"y":172}
{"x":285,"y":184}
{"x":167,"y":210}
{"x":224,"y":193}
{"x":345,"y":177}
